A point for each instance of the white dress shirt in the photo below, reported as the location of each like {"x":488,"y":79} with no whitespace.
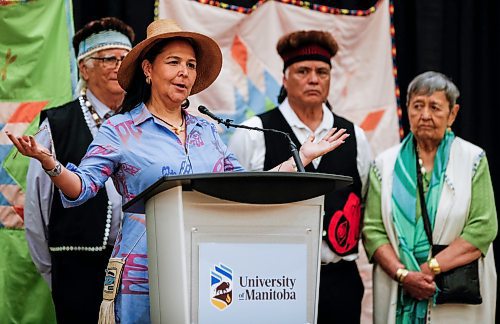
{"x":39,"y":194}
{"x":250,"y":149}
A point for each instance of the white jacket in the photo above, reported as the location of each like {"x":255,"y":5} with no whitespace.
{"x":451,"y":216}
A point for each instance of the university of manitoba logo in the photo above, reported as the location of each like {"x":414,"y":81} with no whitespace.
{"x":221,"y":286}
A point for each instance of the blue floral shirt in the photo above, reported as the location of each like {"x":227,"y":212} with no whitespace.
{"x":136,"y":149}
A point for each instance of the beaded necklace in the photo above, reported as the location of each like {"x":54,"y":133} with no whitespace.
{"x":88,"y":109}
{"x":423,"y":171}
{"x":85,"y":103}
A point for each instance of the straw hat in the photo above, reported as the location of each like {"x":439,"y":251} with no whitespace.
{"x":208,"y":54}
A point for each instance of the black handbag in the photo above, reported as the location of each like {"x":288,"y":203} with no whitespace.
{"x":456,"y":286}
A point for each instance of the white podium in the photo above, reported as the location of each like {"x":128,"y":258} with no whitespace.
{"x":235,"y":247}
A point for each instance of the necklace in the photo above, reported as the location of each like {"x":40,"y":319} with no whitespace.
{"x":423,"y":170}
{"x":420,"y":161}
{"x":88,"y":109}
{"x":85,"y":103}
{"x":421,"y":164}
{"x":177,"y":129}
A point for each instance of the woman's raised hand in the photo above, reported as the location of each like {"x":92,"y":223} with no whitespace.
{"x":28,"y":146}
{"x":333,"y":139}
{"x":69,"y":183}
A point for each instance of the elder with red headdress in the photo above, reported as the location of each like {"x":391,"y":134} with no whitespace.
{"x":305,"y":111}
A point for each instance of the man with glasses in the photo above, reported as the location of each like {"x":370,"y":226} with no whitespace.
{"x":305,"y":111}
{"x":71,"y":247}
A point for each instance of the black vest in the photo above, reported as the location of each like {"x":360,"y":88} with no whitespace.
{"x":343,"y":207}
{"x":82,"y":227}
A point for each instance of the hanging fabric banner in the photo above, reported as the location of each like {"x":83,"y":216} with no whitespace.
{"x":36,"y":72}
{"x":363,"y":86}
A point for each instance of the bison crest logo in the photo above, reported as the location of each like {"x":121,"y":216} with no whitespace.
{"x":221,"y":286}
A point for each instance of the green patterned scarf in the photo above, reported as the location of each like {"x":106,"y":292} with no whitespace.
{"x":413,"y":243}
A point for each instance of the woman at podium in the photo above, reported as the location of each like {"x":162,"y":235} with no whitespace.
{"x":153,"y":136}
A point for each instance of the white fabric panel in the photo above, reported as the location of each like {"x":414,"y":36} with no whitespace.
{"x":362,"y":79}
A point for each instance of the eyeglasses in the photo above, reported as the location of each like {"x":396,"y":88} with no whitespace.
{"x":109,"y":62}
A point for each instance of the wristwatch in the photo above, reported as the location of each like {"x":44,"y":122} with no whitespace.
{"x":434,"y":266}
{"x":55,"y":171}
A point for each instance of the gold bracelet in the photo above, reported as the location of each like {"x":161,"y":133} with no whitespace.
{"x":401,"y":274}
{"x":434,"y":266}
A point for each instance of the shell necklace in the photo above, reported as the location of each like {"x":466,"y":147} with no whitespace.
{"x":85,"y":103}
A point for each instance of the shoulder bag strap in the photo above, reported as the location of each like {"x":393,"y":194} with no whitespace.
{"x":423,"y":207}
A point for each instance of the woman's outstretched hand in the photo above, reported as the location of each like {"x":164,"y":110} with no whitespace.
{"x":333,"y":139}
{"x":28,"y":146}
{"x":69,"y":183}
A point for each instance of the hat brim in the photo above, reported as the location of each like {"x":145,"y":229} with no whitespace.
{"x":208,"y":56}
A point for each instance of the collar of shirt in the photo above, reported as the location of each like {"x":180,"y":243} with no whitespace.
{"x":141,"y":113}
{"x":100,"y":108}
{"x":300,"y":129}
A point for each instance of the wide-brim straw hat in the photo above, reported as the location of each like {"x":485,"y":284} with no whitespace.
{"x":208,"y":54}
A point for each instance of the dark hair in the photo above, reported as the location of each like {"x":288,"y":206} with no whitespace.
{"x":303,"y":38}
{"x":282,"y":95}
{"x":139,"y":91}
{"x":96,"y":26}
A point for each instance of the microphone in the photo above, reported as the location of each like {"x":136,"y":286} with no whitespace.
{"x":204,"y":110}
{"x":229,"y":123}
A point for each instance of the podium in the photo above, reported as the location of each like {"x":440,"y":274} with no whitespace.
{"x":239,"y":247}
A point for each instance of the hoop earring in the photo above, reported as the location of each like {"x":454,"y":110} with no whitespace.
{"x":148,"y":80}
{"x":185,"y":104}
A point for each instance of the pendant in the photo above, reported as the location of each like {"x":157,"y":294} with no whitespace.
{"x":178,"y":130}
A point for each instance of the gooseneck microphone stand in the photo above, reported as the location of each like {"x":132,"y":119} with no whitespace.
{"x":229,"y":123}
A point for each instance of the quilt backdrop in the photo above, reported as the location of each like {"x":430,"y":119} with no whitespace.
{"x":363,"y":84}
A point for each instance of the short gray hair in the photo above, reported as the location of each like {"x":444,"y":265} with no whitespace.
{"x":429,"y":82}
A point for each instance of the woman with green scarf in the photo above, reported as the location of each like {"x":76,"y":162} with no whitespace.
{"x":460,"y":205}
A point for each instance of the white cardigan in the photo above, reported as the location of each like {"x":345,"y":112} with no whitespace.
{"x":451,"y":216}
